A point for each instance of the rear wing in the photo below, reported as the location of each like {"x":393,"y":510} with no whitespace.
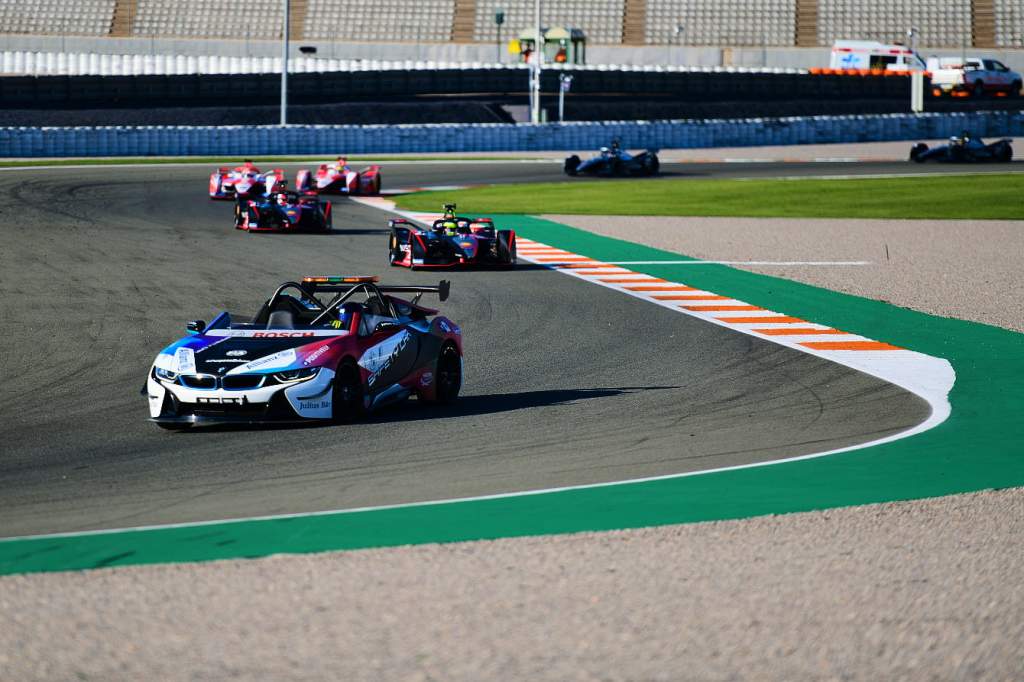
{"x":346,"y":284}
{"x":442,"y":290}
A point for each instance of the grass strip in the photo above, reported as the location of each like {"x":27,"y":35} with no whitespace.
{"x":969,"y":197}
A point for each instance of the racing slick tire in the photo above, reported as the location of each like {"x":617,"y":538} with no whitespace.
{"x":1014,"y":91}
{"x":506,"y":247}
{"x":239,"y":216}
{"x":651,"y":164}
{"x":448,"y":375}
{"x":571,"y":164}
{"x":979,"y":90}
{"x":394,"y":250}
{"x":1005,"y":153}
{"x":917,"y":152}
{"x":327,"y":219}
{"x":347,"y":399}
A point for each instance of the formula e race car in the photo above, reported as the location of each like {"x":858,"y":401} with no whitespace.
{"x":306,"y":357}
{"x":338,"y":178}
{"x":283,"y":212}
{"x":244,"y":181}
{"x":452,"y":240}
{"x":614,"y":161}
{"x":964,"y":149}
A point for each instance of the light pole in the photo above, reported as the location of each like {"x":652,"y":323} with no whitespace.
{"x":535,"y":69}
{"x":499,"y":19}
{"x":284,"y":66}
{"x":912,"y":38}
{"x":677,"y":33}
{"x":564,"y":83}
{"x":916,"y":76}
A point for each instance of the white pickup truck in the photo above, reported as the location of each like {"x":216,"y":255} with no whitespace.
{"x":975,"y":76}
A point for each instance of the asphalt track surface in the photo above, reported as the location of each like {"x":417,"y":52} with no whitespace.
{"x":566,"y":383}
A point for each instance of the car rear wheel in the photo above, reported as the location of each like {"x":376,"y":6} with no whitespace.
{"x":506,"y":248}
{"x":651,"y":164}
{"x":979,"y":89}
{"x":448,"y":376}
{"x":571,"y":164}
{"x":348,"y":393}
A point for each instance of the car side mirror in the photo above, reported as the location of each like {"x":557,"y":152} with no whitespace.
{"x":195,"y":326}
{"x":381,"y":326}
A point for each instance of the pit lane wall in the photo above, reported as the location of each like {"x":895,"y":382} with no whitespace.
{"x":484,"y":137}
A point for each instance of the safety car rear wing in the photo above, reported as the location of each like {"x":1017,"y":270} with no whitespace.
{"x":346,"y":283}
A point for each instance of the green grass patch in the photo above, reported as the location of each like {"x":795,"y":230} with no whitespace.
{"x":234,"y":161}
{"x":969,"y":196}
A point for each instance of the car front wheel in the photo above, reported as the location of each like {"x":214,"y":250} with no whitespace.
{"x":348,"y":393}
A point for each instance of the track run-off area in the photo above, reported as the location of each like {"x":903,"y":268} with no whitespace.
{"x":574,"y":378}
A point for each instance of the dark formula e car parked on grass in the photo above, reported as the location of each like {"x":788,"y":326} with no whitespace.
{"x":964,"y":149}
{"x":304,"y":357}
{"x":283,"y":212}
{"x":451,"y":241}
{"x":614,"y":161}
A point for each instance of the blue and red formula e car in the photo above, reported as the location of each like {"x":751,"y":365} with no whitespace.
{"x":245,"y":181}
{"x":451,"y":241}
{"x":337,"y":177}
{"x":307,"y":357}
{"x":283,"y":212}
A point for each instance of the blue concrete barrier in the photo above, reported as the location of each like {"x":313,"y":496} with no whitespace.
{"x":494,"y":137}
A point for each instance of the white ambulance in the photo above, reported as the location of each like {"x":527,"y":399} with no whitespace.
{"x":870,"y":54}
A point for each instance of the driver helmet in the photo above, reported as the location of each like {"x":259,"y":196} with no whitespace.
{"x":282,"y":198}
{"x":449,"y":227}
{"x":344,"y":316}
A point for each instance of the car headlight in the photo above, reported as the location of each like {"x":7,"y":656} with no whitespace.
{"x":165,"y":374}
{"x":294,"y":375}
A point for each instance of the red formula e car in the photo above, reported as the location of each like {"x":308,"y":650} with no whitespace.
{"x":451,"y":241}
{"x":338,"y":177}
{"x":245,"y":181}
{"x":283,"y":212}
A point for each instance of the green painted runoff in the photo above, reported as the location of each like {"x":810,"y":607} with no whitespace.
{"x":980,"y":446}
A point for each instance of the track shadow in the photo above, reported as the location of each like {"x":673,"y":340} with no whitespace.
{"x":466,"y":406}
{"x":497,"y":403}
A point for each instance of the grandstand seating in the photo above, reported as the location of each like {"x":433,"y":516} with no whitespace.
{"x":239,"y":19}
{"x":722,"y":22}
{"x":81,"y":17}
{"x":939,"y":22}
{"x":601,"y":20}
{"x":381,"y":20}
{"x":1009,"y":16}
{"x":752,"y":23}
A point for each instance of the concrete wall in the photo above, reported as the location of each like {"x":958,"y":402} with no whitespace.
{"x":268,"y":140}
{"x":453,"y":52}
